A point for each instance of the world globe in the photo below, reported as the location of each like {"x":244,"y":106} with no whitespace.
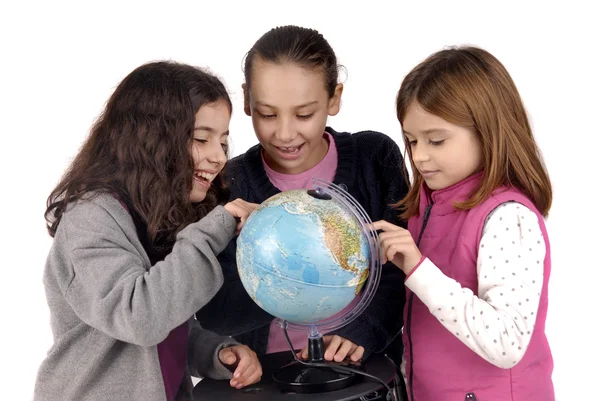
{"x":311,"y":259}
{"x":303,"y":258}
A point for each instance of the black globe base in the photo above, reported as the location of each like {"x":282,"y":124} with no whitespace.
{"x":300,"y":378}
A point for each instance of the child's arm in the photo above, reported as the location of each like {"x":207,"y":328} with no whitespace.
{"x":497,"y":323}
{"x":203,"y":352}
{"x":110,"y":287}
{"x":219,"y":357}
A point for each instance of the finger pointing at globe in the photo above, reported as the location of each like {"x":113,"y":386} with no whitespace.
{"x":398,"y":246}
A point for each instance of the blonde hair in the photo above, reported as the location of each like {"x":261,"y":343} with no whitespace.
{"x":469,"y":87}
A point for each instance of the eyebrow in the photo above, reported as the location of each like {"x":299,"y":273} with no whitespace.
{"x":429,"y":131}
{"x":210,"y":129}
{"x":297,"y":107}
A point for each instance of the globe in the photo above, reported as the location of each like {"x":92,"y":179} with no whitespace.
{"x":305,"y":255}
{"x":312,"y":259}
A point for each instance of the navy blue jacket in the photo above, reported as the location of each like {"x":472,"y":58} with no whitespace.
{"x":371,"y":166}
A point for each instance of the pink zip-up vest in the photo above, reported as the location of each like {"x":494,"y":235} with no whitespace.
{"x":439,"y":367}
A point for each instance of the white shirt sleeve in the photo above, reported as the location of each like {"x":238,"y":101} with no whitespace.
{"x":497,"y":322}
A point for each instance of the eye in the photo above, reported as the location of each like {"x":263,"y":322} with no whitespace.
{"x":411,"y":143}
{"x":225,"y":147}
{"x":436,"y":143}
{"x":200,"y":140}
{"x":306,"y":116}
{"x":266,"y":116}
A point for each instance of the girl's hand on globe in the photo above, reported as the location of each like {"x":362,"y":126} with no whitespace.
{"x":240,"y":210}
{"x":398,"y":246}
{"x":247,"y":367}
{"x":337,"y":349}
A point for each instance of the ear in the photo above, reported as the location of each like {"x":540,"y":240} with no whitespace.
{"x":336,"y":100}
{"x":246,"y":100}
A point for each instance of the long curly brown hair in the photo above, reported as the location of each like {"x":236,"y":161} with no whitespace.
{"x":139,"y":149}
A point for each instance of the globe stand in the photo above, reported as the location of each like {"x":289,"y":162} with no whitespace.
{"x":272,"y":220}
{"x":314,"y":375}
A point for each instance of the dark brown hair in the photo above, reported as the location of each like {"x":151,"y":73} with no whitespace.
{"x":469,"y":87}
{"x":139,"y":149}
{"x":304,"y":47}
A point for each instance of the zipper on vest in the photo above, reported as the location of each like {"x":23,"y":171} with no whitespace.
{"x":409,"y":314}
{"x":425,"y":219}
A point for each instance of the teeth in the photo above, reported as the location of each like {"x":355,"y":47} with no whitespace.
{"x":290,"y":150}
{"x":206,"y":175}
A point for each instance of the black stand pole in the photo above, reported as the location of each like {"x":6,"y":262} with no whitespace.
{"x":316,"y":349}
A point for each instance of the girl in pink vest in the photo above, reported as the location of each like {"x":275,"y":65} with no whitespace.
{"x":476,"y":253}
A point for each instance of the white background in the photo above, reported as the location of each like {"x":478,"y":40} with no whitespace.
{"x":60,"y":62}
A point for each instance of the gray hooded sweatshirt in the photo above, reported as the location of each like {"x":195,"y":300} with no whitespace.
{"x":109,"y":308}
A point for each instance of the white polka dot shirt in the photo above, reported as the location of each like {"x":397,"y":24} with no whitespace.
{"x":497,"y":322}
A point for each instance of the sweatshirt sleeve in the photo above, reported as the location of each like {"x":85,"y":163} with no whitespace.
{"x":203,"y":352}
{"x":113,"y":291}
{"x":498,"y":321}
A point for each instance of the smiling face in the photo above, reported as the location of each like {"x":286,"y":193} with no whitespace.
{"x":443,"y":153}
{"x":289,"y":106}
{"x":209,"y":148}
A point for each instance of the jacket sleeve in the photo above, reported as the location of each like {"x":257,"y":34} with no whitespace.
{"x":242,"y":313}
{"x":203,"y":352}
{"x":381,"y":321}
{"x":111,"y":288}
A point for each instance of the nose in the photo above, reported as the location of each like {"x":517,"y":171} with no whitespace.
{"x":419,"y":152}
{"x":285,"y":131}
{"x":216,"y":154}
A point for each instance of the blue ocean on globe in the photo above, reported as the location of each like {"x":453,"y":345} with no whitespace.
{"x":301,"y":258}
